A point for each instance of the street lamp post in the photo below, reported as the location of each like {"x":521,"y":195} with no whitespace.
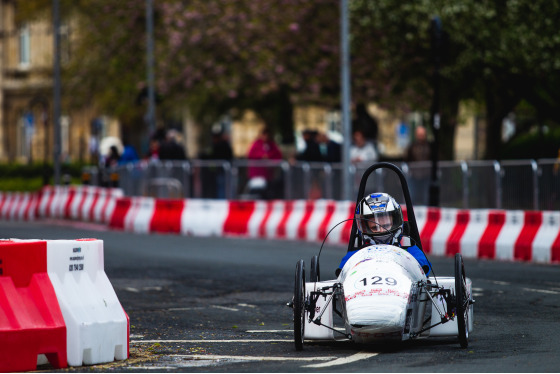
{"x":436,"y":35}
{"x":56,"y":105}
{"x":151,"y":115}
{"x":345,"y":100}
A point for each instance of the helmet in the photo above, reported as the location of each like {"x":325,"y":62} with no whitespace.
{"x":380,"y":218}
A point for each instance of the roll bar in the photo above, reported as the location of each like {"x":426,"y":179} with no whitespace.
{"x":413,"y":227}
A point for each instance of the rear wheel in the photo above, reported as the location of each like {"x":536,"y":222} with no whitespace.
{"x":463,"y":301}
{"x":315,"y":272}
{"x":299,"y":305}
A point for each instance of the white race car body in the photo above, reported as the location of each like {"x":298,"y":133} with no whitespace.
{"x":383,"y":294}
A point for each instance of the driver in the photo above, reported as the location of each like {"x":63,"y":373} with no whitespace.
{"x":380,"y":221}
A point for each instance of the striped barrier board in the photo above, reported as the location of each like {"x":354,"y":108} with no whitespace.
{"x":479,"y":233}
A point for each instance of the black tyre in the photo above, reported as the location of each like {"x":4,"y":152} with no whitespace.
{"x":299,"y":305}
{"x":463,"y":301}
{"x":315,"y":272}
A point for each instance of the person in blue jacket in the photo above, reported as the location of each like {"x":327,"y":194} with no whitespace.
{"x":380,"y":221}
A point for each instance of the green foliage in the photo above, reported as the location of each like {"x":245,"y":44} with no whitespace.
{"x":18,"y":184}
{"x":38,"y":169}
{"x":18,"y":177}
{"x":213,"y":55}
{"x":533,"y":144}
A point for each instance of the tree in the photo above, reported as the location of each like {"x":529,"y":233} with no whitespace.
{"x":251,"y":54}
{"x":212,"y":55}
{"x":215,"y":55}
{"x":498,"y":52}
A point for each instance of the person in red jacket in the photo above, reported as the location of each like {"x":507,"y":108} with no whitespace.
{"x":264,"y":148}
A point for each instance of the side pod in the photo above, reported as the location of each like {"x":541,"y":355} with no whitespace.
{"x":312,"y":330}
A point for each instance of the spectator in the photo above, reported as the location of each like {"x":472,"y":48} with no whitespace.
{"x":264,"y":148}
{"x":113,"y":157}
{"x":419,"y":150}
{"x":129,"y":155}
{"x":221,"y":149}
{"x":153,"y":150}
{"x":330,"y":150}
{"x":311,"y":153}
{"x":170,"y":148}
{"x":366,"y":123}
{"x":362,"y":150}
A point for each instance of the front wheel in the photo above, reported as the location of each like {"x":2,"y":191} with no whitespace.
{"x":463,"y":301}
{"x":315,"y":272}
{"x":299,"y":305}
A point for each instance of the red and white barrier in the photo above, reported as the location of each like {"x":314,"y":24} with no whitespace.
{"x":546,"y":245}
{"x":139,"y":215}
{"x":87,"y":203}
{"x":31,"y":322}
{"x":57,"y":303}
{"x":18,"y":206}
{"x":97,"y":326}
{"x":480,"y":233}
{"x":204,"y":217}
{"x":475,"y":227}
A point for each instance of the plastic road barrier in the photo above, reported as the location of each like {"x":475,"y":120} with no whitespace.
{"x":56,"y":303}
{"x":31,"y":322}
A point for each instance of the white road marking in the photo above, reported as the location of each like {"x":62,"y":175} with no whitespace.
{"x":257,"y":331}
{"x":154,"y":288}
{"x":153,"y":367}
{"x":214,"y":341}
{"x":247,"y":305}
{"x":541,"y":291}
{"x":136,"y":290}
{"x":224,"y":308}
{"x":290,"y":330}
{"x":501,"y":283}
{"x":344,"y":360}
{"x":251,"y":358}
{"x":184,"y":309}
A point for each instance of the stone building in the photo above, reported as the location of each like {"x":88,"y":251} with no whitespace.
{"x":26,"y":95}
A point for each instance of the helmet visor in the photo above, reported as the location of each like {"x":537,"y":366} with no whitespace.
{"x":379,"y":222}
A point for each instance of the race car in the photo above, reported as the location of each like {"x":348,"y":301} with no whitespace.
{"x":382,"y":293}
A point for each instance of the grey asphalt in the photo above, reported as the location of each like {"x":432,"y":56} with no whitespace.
{"x":218,"y":304}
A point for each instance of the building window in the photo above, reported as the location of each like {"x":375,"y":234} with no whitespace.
{"x":26,"y":130}
{"x":24,"y":46}
{"x":64,"y":43}
{"x":65,"y":136}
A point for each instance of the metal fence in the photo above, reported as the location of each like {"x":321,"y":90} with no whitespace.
{"x":518,"y":184}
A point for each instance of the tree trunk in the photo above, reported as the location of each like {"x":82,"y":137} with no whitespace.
{"x":500,"y":101}
{"x":277,"y":111}
{"x":449,"y":113}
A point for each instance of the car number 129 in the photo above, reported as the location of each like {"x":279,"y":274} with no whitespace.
{"x":375,"y":280}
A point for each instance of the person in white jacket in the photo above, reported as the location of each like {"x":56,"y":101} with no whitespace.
{"x":362,"y":150}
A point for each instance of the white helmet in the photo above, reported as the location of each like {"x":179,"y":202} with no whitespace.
{"x":380,"y":218}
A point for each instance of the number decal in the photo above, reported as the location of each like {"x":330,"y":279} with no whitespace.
{"x":376,"y":280}
{"x":391,"y":281}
